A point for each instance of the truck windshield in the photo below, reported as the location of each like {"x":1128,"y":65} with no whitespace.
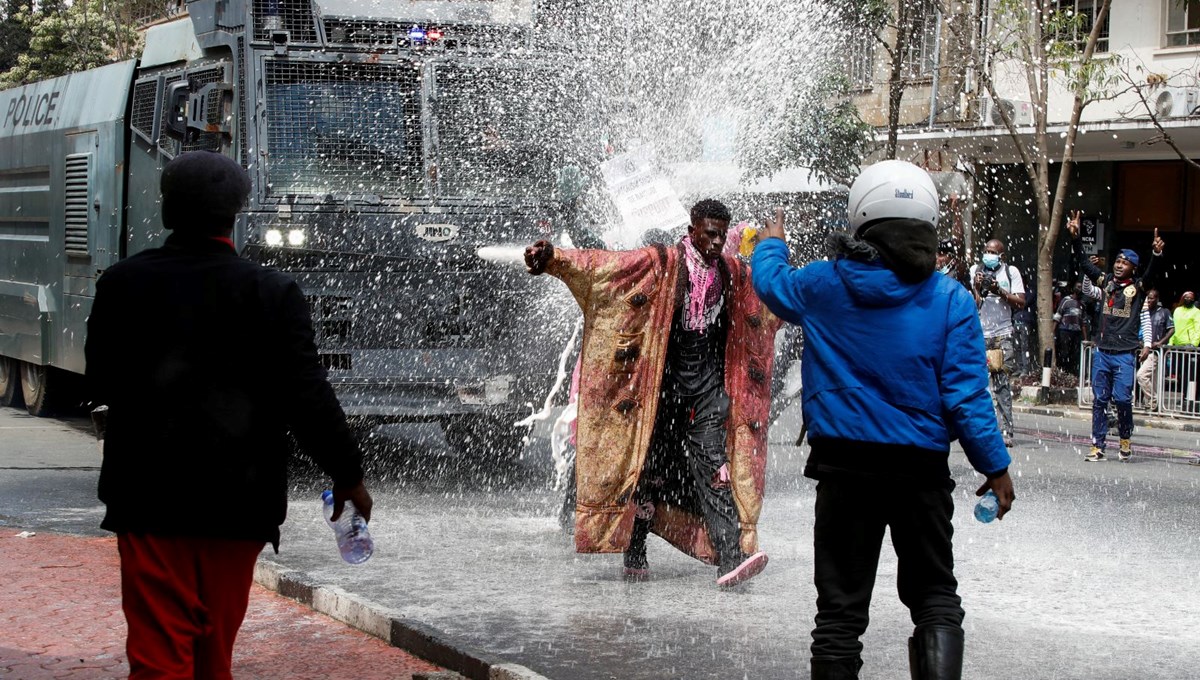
{"x":344,"y":128}
{"x":503,"y":131}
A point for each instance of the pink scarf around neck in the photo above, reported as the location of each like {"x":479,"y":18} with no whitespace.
{"x":704,"y":288}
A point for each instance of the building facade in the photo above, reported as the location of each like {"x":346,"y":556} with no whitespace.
{"x":1134,"y":157}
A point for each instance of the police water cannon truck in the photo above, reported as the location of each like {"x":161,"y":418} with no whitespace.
{"x":386,"y":142}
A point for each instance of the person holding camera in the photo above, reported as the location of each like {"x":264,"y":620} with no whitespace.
{"x":999,"y":290}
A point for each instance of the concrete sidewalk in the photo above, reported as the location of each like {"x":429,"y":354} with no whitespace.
{"x":60,"y":613}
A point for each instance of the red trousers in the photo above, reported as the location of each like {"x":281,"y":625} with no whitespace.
{"x":184,"y":599}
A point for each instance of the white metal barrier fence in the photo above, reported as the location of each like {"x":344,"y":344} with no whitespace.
{"x":1176,"y":382}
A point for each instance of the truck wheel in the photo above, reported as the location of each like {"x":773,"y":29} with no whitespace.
{"x":10,"y":381}
{"x":37,"y":389}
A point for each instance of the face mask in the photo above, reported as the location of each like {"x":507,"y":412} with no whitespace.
{"x":991,"y":260}
{"x":946,"y":269}
{"x":1189,"y":305}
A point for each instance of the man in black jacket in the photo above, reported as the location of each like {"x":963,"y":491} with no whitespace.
{"x":206,"y":361}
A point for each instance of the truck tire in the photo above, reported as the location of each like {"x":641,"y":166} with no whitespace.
{"x":10,"y":383}
{"x":38,"y":389}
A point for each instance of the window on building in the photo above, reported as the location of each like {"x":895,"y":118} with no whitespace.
{"x":860,"y":64}
{"x":920,"y":55}
{"x":1183,"y":22}
{"x":1088,"y":9}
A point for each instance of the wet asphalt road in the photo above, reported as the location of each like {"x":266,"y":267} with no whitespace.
{"x":1095,"y":574}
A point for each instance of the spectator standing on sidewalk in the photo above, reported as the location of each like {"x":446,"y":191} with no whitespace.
{"x":1162,"y":327}
{"x":999,"y":290}
{"x":949,"y":264}
{"x":194,"y":475}
{"x":1122,"y":296}
{"x":1187,"y":334}
{"x":1068,"y":330}
{"x":1187,"y":321}
{"x":893,"y":368}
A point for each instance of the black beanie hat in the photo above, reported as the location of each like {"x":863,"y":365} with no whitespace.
{"x":202,"y":191}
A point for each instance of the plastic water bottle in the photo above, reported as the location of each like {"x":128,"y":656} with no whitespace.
{"x":353,"y":539}
{"x":987,"y":507}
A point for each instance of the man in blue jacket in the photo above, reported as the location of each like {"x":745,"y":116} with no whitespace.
{"x":894,"y":369}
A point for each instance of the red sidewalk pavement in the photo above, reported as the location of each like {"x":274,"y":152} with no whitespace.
{"x":60,"y":617}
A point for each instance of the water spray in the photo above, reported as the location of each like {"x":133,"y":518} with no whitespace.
{"x":559,"y":379}
{"x":512,"y":256}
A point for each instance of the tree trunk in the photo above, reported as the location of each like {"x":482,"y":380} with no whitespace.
{"x":898,"y":82}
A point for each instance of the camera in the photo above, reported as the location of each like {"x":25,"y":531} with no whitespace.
{"x":987,"y":283}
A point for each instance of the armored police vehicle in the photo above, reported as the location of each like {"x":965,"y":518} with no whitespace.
{"x":387,"y":143}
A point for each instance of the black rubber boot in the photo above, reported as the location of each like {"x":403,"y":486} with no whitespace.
{"x":936,"y":653}
{"x":836,"y":669}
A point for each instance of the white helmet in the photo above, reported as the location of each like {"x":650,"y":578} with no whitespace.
{"x":892,"y":189}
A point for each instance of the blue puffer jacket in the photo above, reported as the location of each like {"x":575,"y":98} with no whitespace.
{"x":885,"y":362}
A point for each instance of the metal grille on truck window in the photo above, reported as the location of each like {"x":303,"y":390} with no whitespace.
{"x":344,"y":128}
{"x":145,"y":100}
{"x":145,"y":12}
{"x":390,"y":34}
{"x":364,"y":32}
{"x":207,"y":141}
{"x":502,"y":132}
{"x":76,"y":200}
{"x":293,"y":16}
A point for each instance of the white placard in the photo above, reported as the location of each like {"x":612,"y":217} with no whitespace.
{"x":643,"y":196}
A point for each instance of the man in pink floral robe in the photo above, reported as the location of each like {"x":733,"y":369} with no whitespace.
{"x":674,"y":397}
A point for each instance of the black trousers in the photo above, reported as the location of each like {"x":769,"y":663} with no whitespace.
{"x":1066,"y":350}
{"x":851,"y":514}
{"x":686,"y":452}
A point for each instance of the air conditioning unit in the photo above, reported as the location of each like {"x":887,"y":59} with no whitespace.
{"x":1176,"y":102}
{"x":1019,"y":112}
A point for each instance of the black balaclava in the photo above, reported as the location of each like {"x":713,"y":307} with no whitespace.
{"x":906,"y":246}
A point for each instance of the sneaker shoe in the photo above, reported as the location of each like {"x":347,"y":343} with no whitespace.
{"x":1126,"y":450}
{"x":1096,"y":456}
{"x":750,"y":567}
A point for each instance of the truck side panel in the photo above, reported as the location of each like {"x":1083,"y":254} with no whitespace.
{"x":62,"y":168}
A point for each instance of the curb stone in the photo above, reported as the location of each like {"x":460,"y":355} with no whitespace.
{"x":388,"y":625}
{"x":1138,"y":420}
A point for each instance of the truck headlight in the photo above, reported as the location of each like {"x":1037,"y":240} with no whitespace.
{"x":273,"y":237}
{"x":296,"y":238}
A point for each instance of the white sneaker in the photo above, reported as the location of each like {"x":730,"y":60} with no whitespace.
{"x":749,"y":568}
